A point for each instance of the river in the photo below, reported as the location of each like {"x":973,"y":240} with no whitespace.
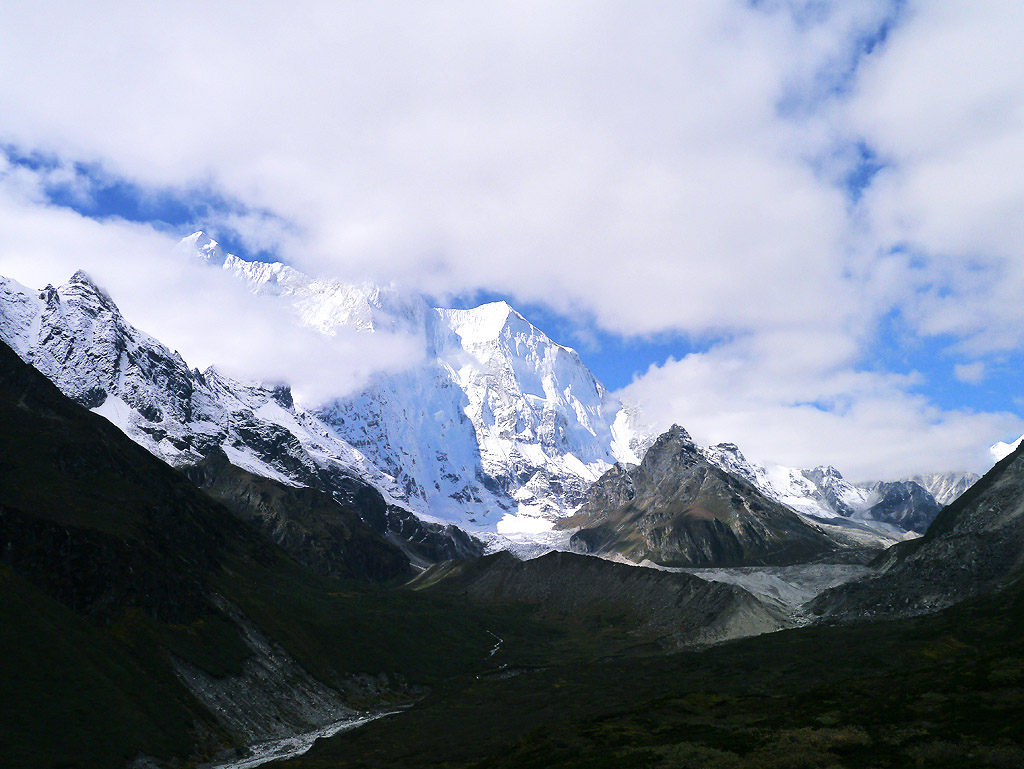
{"x":290,"y":747}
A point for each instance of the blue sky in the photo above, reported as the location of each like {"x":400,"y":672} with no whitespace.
{"x":792,"y":224}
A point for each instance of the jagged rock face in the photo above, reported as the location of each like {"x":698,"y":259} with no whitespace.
{"x":974,"y":545}
{"x":821,"y":492}
{"x":77,"y":337}
{"x":831,"y":489}
{"x":905,"y":504}
{"x":676,"y":508}
{"x":497,"y":418}
{"x":678,"y":609}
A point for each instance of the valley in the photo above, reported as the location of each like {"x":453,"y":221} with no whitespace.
{"x":512,"y":385}
{"x":204,"y":572}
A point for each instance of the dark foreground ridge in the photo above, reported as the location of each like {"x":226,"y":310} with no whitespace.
{"x":140,"y":619}
{"x":143,"y":621}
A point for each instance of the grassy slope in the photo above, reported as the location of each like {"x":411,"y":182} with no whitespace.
{"x":939,"y":691}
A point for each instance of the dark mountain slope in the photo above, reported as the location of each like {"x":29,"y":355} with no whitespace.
{"x":116,"y":574}
{"x":309,"y":525}
{"x":95,"y":520}
{"x":942,"y":691}
{"x":676,"y":609}
{"x":906,"y":504}
{"x":975,"y":545}
{"x":678,"y":509}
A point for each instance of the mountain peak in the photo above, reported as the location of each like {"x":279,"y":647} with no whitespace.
{"x":204,"y":247}
{"x":82,"y":284}
{"x":824,"y":472}
{"x":674,"y":435}
{"x":82,"y":277}
{"x":728,"y":448}
{"x":483,"y":323}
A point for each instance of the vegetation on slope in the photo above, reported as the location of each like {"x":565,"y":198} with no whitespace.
{"x":945,"y":690}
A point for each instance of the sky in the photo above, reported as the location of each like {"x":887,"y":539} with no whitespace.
{"x":796,"y":225}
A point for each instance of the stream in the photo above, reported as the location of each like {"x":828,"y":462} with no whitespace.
{"x":296,"y":745}
{"x":497,"y":645}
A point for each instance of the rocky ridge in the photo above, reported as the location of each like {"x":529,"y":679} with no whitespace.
{"x":77,"y":337}
{"x":676,"y":609}
{"x":678,"y":509}
{"x":823,"y":493}
{"x":975,"y":545}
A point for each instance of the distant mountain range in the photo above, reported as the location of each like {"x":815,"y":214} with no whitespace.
{"x":822,"y":492}
{"x":497,"y":426}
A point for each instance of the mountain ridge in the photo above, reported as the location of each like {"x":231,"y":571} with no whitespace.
{"x":499,"y":429}
{"x":676,"y":508}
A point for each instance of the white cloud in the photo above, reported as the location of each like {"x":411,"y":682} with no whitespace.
{"x":970,"y":373}
{"x":655,"y":166}
{"x":943,"y":104}
{"x":206,"y":315}
{"x":869,"y":425}
{"x":627,"y":159}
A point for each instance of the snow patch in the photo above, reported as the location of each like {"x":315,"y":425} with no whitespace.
{"x":1001,"y":450}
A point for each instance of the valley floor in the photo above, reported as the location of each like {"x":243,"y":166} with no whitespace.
{"x":945,"y":690}
{"x":292,"y":747}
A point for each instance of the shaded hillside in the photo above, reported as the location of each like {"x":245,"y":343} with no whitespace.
{"x":121,"y":582}
{"x":974,"y":545}
{"x":309,"y":525}
{"x":674,"y":609}
{"x":676,"y":508}
{"x":906,"y":504}
{"x":942,"y":691}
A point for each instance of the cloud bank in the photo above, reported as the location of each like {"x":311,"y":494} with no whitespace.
{"x":780,"y":178}
{"x":206,"y":315}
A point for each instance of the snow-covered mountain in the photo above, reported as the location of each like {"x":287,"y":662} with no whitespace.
{"x":495,"y":426}
{"x":77,"y":337}
{"x":823,"y":492}
{"x":1001,"y":450}
{"x":496,"y":423}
